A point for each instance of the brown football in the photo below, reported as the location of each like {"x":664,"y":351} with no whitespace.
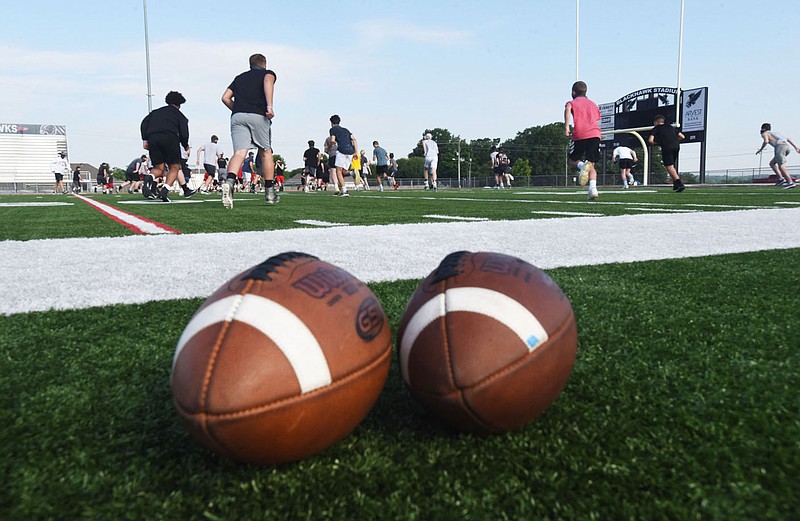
{"x":281,"y":362}
{"x":487,"y":342}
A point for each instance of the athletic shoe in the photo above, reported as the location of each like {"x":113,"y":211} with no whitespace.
{"x":790,"y":185}
{"x":680,"y":187}
{"x":593,"y":195}
{"x":164,"y":194}
{"x":227,"y":200}
{"x":270,"y":196}
{"x":583,"y":178}
{"x":779,"y":182}
{"x":189,"y":192}
{"x":344,"y":193}
{"x":152,"y":197}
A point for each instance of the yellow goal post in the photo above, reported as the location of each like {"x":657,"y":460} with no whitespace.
{"x":646,"y":153}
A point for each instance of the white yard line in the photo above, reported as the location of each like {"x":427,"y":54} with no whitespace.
{"x":61,"y":273}
{"x":454,"y":218}
{"x":321,"y":224}
{"x":662,"y":210}
{"x":567,"y":214}
{"x":135,"y":223}
{"x":54,"y":203}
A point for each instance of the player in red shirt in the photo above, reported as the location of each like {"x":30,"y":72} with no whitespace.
{"x":584,"y":149}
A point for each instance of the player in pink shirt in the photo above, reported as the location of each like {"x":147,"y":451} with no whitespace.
{"x":584,"y":149}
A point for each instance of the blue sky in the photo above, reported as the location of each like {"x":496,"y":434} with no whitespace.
{"x":393,"y":69}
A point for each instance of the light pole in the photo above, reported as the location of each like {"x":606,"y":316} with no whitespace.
{"x":459,"y":163}
{"x":147,"y":59}
{"x":577,"y":37}
{"x":678,"y":114}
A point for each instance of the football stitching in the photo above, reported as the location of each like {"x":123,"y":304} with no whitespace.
{"x":213,"y":360}
{"x":332,"y":386}
{"x":507,"y":369}
{"x":450,"y":373}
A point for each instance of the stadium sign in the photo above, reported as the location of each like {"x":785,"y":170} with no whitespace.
{"x":638,"y":108}
{"x":694,"y":114}
{"x":39,"y":130}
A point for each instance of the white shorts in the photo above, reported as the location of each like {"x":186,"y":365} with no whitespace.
{"x":246,"y":177}
{"x":343,"y":160}
{"x":431,"y":163}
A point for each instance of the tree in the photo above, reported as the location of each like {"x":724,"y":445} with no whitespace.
{"x":410,"y":167}
{"x":521,"y":168}
{"x":479,"y":150}
{"x":543,"y":146}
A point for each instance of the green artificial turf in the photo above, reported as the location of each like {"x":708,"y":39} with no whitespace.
{"x":205,"y":214}
{"x":683,"y":404}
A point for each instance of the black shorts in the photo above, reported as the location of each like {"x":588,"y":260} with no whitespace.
{"x":669,"y":156}
{"x":625,"y":164}
{"x":382,"y":169}
{"x":131,"y":176}
{"x":164,"y":147}
{"x":211,"y":170}
{"x":187,"y":172}
{"x":588,"y":149}
{"x":332,"y":161}
{"x":59,"y":177}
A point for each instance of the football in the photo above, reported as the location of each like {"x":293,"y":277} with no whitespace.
{"x":281,"y":362}
{"x":487,"y":342}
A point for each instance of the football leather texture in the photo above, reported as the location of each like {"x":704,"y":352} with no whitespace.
{"x":281,"y":362}
{"x":487,"y":342}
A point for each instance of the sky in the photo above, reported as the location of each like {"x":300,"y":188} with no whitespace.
{"x":391,"y":70}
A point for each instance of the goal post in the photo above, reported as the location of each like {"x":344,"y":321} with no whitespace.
{"x":645,"y":154}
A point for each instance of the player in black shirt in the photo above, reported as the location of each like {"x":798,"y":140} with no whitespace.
{"x":164,"y":131}
{"x":669,"y":139}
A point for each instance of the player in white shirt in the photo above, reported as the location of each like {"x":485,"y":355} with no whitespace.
{"x":60,"y":167}
{"x":431,"y":150}
{"x":782,"y":146}
{"x":626,"y":158}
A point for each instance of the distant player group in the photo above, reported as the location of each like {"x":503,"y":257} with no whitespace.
{"x":584,"y":151}
{"x":165,"y":134}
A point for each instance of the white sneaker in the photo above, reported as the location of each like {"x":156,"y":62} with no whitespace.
{"x":227,"y":200}
{"x":271,"y":196}
{"x":583,"y":178}
{"x":593,"y":195}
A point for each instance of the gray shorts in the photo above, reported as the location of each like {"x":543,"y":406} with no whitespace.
{"x":251,"y":131}
{"x":781,"y":153}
